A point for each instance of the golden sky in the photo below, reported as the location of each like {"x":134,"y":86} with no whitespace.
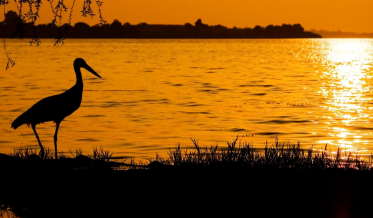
{"x":344,"y":15}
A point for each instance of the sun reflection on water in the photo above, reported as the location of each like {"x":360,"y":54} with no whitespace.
{"x":346,"y":90}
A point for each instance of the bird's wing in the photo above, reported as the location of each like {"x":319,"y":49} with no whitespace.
{"x":47,"y":109}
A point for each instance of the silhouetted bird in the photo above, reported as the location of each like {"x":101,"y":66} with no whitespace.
{"x":57,"y":107}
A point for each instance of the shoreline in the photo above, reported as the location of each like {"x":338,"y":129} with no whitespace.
{"x":283,"y":180}
{"x":89,"y":186}
{"x":254,"y":192}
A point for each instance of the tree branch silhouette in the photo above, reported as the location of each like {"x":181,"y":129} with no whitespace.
{"x":10,"y":62}
{"x":58,"y":8}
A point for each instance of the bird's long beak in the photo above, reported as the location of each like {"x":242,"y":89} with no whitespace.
{"x":92,"y":71}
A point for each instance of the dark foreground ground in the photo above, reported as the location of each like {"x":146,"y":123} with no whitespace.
{"x":34,"y":188}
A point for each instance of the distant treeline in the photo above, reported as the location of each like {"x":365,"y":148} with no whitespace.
{"x":16,"y":28}
{"x":339,"y":34}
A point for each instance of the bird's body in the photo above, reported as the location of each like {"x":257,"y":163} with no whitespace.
{"x":57,"y":107}
{"x":54,"y":108}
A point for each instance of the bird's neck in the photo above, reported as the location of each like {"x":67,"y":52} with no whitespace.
{"x":78,"y":73}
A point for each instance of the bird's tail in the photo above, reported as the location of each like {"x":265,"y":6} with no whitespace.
{"x":19,"y":121}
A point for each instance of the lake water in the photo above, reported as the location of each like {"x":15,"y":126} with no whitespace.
{"x":157,"y":93}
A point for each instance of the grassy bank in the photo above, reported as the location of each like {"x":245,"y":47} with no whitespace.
{"x":278,"y":156}
{"x":235,"y":155}
{"x":282,"y":179}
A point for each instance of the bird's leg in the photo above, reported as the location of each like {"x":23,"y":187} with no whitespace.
{"x":37,"y":137}
{"x":55,"y":138}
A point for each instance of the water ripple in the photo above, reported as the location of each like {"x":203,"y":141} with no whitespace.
{"x":285,"y":121}
{"x":236,"y":130}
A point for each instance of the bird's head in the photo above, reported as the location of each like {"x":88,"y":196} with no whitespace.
{"x":80,"y":62}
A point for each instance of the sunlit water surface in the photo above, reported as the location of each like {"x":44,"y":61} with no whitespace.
{"x":158,"y":93}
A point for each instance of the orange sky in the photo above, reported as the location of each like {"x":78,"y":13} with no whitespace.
{"x":344,"y":15}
